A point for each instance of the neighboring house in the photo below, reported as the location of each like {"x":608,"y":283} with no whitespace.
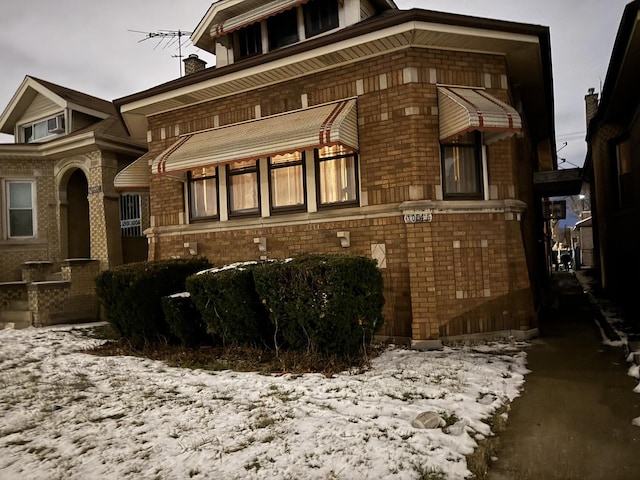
{"x":350,"y":126}
{"x":612,"y":165}
{"x":60,"y":214}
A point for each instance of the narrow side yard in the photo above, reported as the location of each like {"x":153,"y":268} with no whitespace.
{"x":67,"y":414}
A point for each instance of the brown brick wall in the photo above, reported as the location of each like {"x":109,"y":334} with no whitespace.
{"x":461,"y":273}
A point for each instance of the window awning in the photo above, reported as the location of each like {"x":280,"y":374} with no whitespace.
{"x":464,"y":109}
{"x":324,"y":125}
{"x":135,"y":176}
{"x":247,"y":13}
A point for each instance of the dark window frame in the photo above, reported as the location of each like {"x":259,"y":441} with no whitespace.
{"x":279,"y":29}
{"x":288,"y":208}
{"x":230,"y":173}
{"x":247,"y":41}
{"x":356,"y":166}
{"x":190,"y":182}
{"x":320,"y":16}
{"x":476,"y":145}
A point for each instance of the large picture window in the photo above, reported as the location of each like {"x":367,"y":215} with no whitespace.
{"x":20,"y":209}
{"x":320,"y":16}
{"x":287,"y":182}
{"x":462,"y":168}
{"x":203,"y":193}
{"x":243,"y":188}
{"x":336,"y":176}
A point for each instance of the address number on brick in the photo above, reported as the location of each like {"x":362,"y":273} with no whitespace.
{"x":418,"y":217}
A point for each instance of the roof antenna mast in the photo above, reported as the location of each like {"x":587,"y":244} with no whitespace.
{"x":168,"y":38}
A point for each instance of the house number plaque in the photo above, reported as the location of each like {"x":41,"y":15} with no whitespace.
{"x":418,"y":216}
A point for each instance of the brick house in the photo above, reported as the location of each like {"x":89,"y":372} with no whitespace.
{"x":611,"y":167}
{"x":351,"y":126}
{"x":60,"y":214}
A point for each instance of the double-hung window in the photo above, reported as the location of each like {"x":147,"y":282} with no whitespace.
{"x":320,"y":16}
{"x":287,"y":182}
{"x":623,"y":173}
{"x":462,"y":172}
{"x":243,"y":186}
{"x":20,"y":208}
{"x":336,"y":176}
{"x":203,"y":193}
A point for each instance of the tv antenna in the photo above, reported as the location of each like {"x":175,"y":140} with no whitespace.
{"x":167,"y":39}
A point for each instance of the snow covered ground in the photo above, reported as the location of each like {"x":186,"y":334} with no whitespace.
{"x":66,"y":414}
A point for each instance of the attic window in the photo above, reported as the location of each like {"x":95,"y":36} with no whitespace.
{"x":247,"y":42}
{"x":320,"y":16}
{"x":283,"y":29}
{"x":42,"y":129}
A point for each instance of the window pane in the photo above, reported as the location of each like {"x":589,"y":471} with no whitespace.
{"x":204,"y":198}
{"x":243,"y":192}
{"x":460,"y":173}
{"x":20,"y":223}
{"x":19,"y":195}
{"x":283,"y":29}
{"x":338,"y":180}
{"x":40,"y":130}
{"x":320,"y":16}
{"x":249,"y":41}
{"x":287,"y":187}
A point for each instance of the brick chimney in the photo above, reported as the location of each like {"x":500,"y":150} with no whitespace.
{"x":591,"y":104}
{"x":193,"y":64}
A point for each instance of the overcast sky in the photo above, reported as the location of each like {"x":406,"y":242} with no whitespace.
{"x":90,"y":46}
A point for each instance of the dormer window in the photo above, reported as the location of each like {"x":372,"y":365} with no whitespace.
{"x":283,"y":29}
{"x":247,"y":42}
{"x":320,"y":16}
{"x":42,"y":129}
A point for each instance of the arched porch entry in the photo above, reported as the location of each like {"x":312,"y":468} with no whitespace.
{"x":75,"y":224}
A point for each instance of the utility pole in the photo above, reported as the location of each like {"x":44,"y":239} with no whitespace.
{"x":166,"y":39}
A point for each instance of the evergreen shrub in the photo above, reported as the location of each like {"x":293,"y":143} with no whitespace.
{"x":185,"y":321}
{"x":324,"y":303}
{"x":131,"y":296}
{"x":229,"y":305}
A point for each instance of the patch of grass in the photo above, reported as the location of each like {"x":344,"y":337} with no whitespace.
{"x":479,"y":462}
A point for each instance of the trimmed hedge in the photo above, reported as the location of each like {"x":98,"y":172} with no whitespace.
{"x":131,"y":296}
{"x":329,"y":304}
{"x":229,"y":305}
{"x":185,"y":321}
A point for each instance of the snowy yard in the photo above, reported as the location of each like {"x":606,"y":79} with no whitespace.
{"x":67,"y":415}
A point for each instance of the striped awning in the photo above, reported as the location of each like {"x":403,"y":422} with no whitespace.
{"x":248,"y":12}
{"x":135,"y":176}
{"x":320,"y":126}
{"x":464,"y":109}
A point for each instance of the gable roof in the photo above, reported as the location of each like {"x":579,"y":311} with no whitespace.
{"x":62,"y":96}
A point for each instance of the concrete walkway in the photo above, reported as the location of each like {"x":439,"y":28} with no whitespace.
{"x":573,"y":419}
